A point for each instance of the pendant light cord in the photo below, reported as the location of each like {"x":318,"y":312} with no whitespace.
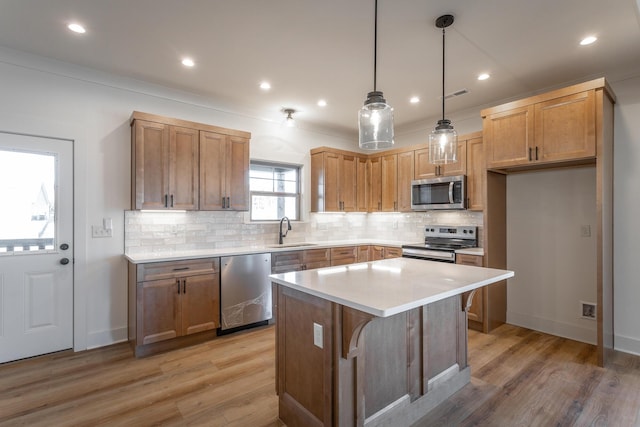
{"x":375,"y":47}
{"x":442,"y":73}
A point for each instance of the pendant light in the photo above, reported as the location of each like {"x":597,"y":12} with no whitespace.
{"x":289,"y":121}
{"x":375,"y":118}
{"x":443,"y":141}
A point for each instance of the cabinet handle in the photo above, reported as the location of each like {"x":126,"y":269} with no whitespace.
{"x":379,"y":206}
{"x":172,"y":200}
{"x":395,"y":206}
{"x":184,"y":286}
{"x":180,"y":268}
{"x":178,"y":283}
{"x":166,"y":202}
{"x":224,"y":202}
{"x":530,"y":153}
{"x":536,"y":152}
{"x":228,"y":204}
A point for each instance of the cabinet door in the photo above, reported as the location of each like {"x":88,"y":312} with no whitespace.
{"x":390,"y":183}
{"x":362,"y":185}
{"x":566,"y":127}
{"x":183,"y":168}
{"x":344,"y":255}
{"x":375,"y":184}
{"x":405,"y":176}
{"x":347,"y":183}
{"x":508,"y":137}
{"x":212,"y":170}
{"x":423,"y":169}
{"x":363,"y":253}
{"x":200,"y":303}
{"x":476,"y":311}
{"x":376,"y":253}
{"x":158,"y":311}
{"x":150,"y":168}
{"x":283,"y":262}
{"x":316,"y":258}
{"x":331,"y":182}
{"x":459,"y":167}
{"x":237,"y":173}
{"x":475,"y":174}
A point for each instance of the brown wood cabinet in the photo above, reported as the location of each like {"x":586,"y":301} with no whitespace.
{"x":389,"y":182}
{"x":375,"y":183}
{"x":476,"y":172}
{"x":283,"y":262}
{"x":224,"y":172}
{"x":541,"y":130}
{"x":343,"y":255}
{"x":169,"y":300}
{"x":424,"y":169}
{"x":362,"y":184}
{"x":164,"y":166}
{"x":405,"y":176}
{"x":476,"y":311}
{"x":377,"y":252}
{"x":363,"y":253}
{"x":178,"y":164}
{"x":334,"y":181}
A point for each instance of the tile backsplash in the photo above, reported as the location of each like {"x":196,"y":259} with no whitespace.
{"x":153,"y":232}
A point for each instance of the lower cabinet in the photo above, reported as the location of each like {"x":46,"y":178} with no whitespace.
{"x":384,"y":252}
{"x":476,"y":311}
{"x":344,"y":255}
{"x":173,"y":303}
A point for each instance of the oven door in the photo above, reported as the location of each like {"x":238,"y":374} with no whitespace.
{"x":429,"y":254}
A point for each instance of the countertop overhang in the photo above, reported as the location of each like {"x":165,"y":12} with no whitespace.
{"x":388,"y":287}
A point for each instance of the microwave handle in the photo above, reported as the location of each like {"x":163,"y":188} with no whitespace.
{"x":451,"y":192}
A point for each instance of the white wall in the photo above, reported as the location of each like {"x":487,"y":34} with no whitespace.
{"x":44,"y":97}
{"x":555,"y":265}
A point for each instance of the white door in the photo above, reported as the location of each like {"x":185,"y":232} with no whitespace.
{"x":36,"y":252}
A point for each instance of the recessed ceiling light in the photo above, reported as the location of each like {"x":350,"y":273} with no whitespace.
{"x":588,"y":40}
{"x":188,"y":62}
{"x":265,"y":86}
{"x":322,"y":103}
{"x":414,"y":100}
{"x":76,"y":28}
{"x":483,"y":76}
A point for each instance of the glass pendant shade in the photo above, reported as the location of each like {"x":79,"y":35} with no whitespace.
{"x":375,"y":123}
{"x":443,"y":144}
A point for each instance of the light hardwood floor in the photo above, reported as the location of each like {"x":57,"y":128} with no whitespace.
{"x":519,"y":377}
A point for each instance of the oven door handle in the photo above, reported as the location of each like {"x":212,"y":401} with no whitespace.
{"x":451,"y":192}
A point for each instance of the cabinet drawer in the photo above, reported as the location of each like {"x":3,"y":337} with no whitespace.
{"x":343,"y":261}
{"x":172,"y":269}
{"x":316,"y":256}
{"x":344,"y":252}
{"x":282,"y":262}
{"x":466,"y":259}
{"x":392,"y":252}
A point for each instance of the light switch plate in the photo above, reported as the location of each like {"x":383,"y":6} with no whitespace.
{"x":317,"y":335}
{"x":97,"y":231}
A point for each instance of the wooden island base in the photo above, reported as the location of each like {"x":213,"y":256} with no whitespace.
{"x":338,"y":366}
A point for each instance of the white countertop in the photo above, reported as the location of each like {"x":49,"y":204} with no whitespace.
{"x":391,"y":286}
{"x":252,"y":249}
{"x":471,"y":251}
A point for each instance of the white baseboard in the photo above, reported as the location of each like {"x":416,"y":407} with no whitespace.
{"x":106,"y":337}
{"x":553,"y":327}
{"x":627,"y":344}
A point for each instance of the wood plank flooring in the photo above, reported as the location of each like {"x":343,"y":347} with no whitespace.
{"x":519,"y":377}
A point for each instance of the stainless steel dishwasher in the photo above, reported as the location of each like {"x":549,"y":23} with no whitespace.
{"x":245,"y":290}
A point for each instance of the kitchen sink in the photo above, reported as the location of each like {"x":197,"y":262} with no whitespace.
{"x":292,"y":245}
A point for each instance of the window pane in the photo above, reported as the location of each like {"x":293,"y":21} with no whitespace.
{"x":258,"y":184}
{"x":266,"y":208}
{"x":27,"y":183}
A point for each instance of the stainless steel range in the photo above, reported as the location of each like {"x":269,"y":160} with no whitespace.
{"x":441,"y":242}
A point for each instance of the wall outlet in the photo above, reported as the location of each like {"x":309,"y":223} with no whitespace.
{"x":588,"y":310}
{"x":585,"y":231}
{"x":317,"y":335}
{"x":98,"y":231}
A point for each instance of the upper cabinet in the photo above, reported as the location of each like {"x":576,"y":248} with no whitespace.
{"x":177,"y":164}
{"x":164,"y":166}
{"x":476,"y":172}
{"x":224,"y":171}
{"x":334,"y":181}
{"x":558,"y":126}
{"x":424,"y":169}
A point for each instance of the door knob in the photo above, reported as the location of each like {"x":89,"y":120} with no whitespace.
{"x":64,"y":261}
{"x":64,"y":247}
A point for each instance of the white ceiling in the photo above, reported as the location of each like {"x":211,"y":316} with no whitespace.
{"x":312,"y":49}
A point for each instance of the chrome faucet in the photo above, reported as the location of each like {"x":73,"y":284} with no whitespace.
{"x":283,"y":235}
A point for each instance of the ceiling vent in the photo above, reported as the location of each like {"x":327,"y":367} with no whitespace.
{"x":456,"y":93}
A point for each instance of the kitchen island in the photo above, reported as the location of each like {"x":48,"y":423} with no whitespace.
{"x":371,"y":344}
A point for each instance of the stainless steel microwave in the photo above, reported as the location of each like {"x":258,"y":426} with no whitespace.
{"x":445,"y":192}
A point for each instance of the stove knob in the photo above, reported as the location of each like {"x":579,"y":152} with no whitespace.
{"x":464,"y":231}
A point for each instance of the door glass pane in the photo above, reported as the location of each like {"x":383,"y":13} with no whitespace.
{"x":27,"y":189}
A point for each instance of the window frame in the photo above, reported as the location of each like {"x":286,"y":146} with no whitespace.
{"x":297,"y":195}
